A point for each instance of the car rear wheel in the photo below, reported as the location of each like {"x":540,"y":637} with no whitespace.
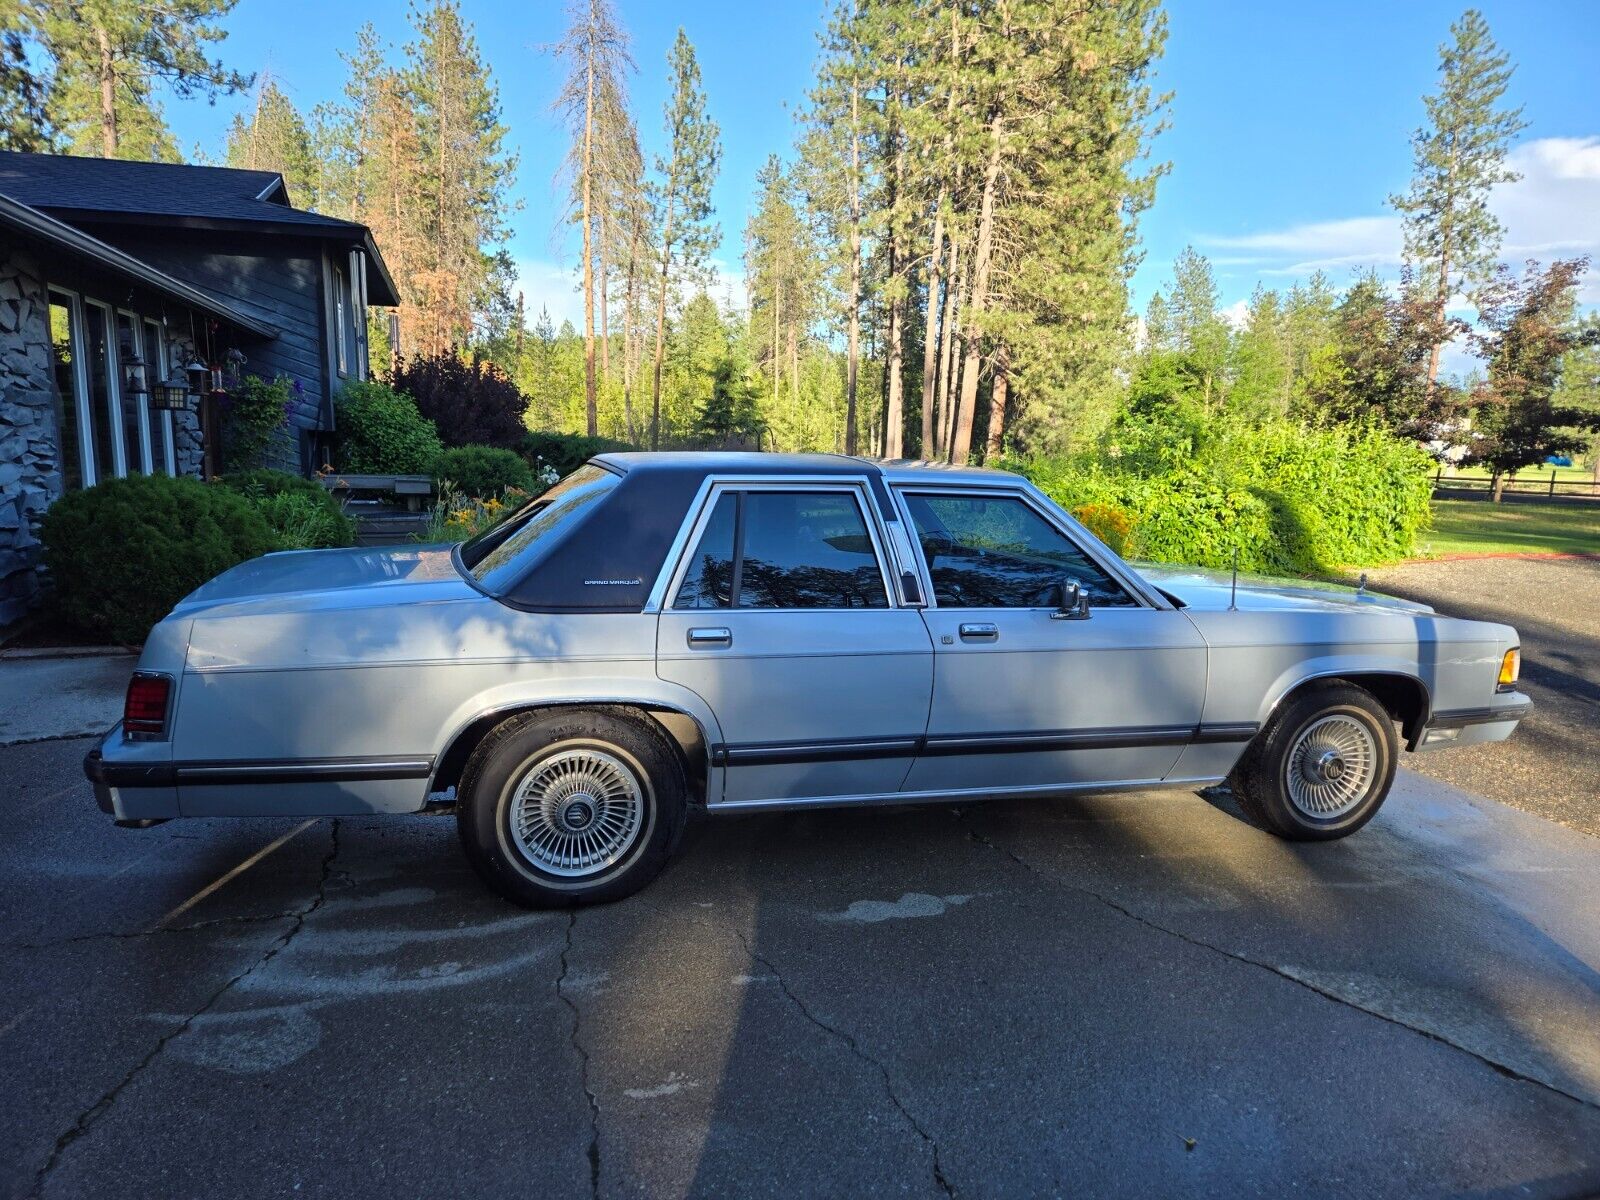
{"x":569,"y":807}
{"x":1322,"y":767}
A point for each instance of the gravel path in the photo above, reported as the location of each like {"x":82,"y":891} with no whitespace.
{"x":1551,"y":765}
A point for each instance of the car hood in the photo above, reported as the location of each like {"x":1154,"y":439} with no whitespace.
{"x":1201,"y":589}
{"x":307,"y":579}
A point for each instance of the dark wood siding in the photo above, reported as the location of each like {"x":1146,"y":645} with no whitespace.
{"x":279,"y":279}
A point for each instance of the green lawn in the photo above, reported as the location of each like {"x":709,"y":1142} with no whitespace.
{"x":1528,"y":475}
{"x":1479,"y":527}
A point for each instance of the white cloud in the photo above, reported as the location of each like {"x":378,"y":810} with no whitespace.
{"x":1237,"y":314}
{"x":1553,"y":211}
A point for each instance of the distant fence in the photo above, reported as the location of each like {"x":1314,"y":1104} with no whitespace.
{"x":1524,"y":486}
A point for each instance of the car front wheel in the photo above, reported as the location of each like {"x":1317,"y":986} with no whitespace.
{"x":1322,"y":767}
{"x":569,"y":807}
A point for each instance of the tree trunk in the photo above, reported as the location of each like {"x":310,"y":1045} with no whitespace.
{"x":630,"y":363}
{"x":590,"y":405}
{"x":930,"y":333}
{"x":997,"y":404}
{"x":108,"y":95}
{"x":777,"y":301}
{"x":961,"y":444}
{"x":605,"y":305}
{"x":851,"y":369}
{"x":521,"y":342}
{"x":1498,"y":483}
{"x":894,"y":422}
{"x":661,"y":310}
{"x":947,"y":339}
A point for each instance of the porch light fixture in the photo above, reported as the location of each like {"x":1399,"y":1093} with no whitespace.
{"x":171,"y":394}
{"x":133,"y":372}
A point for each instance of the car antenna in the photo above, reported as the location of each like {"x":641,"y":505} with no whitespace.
{"x":1233,"y":592}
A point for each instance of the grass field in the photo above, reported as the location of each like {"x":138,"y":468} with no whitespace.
{"x":1581,"y":474}
{"x":1479,"y":527}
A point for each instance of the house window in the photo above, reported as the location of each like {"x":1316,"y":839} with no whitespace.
{"x":99,"y":356}
{"x":340,"y":309}
{"x":74,"y":417}
{"x":135,"y":408}
{"x":162,"y":454}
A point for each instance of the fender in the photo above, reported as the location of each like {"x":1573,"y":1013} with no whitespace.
{"x":1335,"y":666}
{"x":633,"y":690}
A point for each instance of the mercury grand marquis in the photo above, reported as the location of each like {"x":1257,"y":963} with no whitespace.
{"x":737,"y":632}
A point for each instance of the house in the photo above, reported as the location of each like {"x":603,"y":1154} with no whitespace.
{"x":115,"y":277}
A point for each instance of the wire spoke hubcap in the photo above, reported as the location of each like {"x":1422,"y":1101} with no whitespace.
{"x":1331,"y":766}
{"x":577,"y":812}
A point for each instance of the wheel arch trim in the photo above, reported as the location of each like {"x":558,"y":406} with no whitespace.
{"x":642,"y":699}
{"x":1355,"y":670}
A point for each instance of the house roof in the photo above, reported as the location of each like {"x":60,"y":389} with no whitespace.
{"x":179,"y":194}
{"x":58,"y":235}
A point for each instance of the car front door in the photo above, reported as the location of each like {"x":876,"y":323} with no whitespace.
{"x":783,"y":618}
{"x":1026,"y":696}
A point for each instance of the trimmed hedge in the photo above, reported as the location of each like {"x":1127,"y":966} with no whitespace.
{"x":122,"y":553}
{"x":482,"y":472}
{"x":380,"y":432}
{"x":1285,"y":498}
{"x":565,"y":452}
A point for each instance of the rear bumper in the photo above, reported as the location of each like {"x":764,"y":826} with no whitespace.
{"x":1470,"y":726}
{"x":130,"y":790}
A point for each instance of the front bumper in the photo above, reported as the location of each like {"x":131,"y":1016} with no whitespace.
{"x":1471,"y":726}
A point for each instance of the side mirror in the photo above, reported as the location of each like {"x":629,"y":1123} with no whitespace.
{"x":1074,"y":602}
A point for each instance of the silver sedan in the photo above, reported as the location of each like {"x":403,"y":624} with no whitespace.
{"x":744,"y":632}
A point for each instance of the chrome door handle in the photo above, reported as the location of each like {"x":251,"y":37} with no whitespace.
{"x":710,"y":639}
{"x":979,"y":631}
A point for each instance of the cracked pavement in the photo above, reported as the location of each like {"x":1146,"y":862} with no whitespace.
{"x":1126,"y":995}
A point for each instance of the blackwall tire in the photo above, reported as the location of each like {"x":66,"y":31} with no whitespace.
{"x":568,"y":807}
{"x":1322,"y":767}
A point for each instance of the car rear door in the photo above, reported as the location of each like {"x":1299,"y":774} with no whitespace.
{"x":784,"y":616}
{"x":1023,"y":698}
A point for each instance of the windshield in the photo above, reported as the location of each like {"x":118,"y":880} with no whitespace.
{"x":499,"y":556}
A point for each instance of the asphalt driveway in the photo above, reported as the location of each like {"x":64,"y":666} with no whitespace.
{"x":1121,"y":996}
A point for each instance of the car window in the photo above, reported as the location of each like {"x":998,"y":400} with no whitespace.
{"x":784,"y":550}
{"x":708,"y":582}
{"x":500,"y":555}
{"x":996,"y":552}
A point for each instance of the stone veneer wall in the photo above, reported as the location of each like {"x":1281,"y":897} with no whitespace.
{"x":30,"y":475}
{"x":30,"y":478}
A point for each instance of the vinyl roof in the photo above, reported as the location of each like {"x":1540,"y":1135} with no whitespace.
{"x":712,"y":462}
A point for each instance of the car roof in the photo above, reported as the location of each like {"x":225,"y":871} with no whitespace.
{"x":713,"y":462}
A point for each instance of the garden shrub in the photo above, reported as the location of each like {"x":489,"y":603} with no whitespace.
{"x":471,"y":403}
{"x":564,"y":453}
{"x":303,"y":513}
{"x":1283,"y":497}
{"x":1111,"y":523}
{"x":122,"y":553}
{"x":380,"y":432}
{"x":484,"y":472}
{"x":253,"y":412}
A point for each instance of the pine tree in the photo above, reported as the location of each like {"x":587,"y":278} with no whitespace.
{"x":595,"y":50}
{"x":275,"y":138}
{"x":1452,"y":239}
{"x":108,"y":56}
{"x":462,"y":182}
{"x":680,"y":198}
{"x":24,"y":124}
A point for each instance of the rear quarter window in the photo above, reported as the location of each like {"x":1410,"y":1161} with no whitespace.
{"x":500,"y":556}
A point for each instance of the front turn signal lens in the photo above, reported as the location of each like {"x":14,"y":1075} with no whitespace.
{"x":1510,"y":668}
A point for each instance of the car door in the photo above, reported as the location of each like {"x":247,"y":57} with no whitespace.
{"x":1023,"y":696}
{"x":782,"y":617}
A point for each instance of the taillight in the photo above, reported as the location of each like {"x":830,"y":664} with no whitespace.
{"x":1510,"y":668}
{"x":144,"y":712}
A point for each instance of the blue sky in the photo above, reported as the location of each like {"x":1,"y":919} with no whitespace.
{"x":1288,"y":126}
